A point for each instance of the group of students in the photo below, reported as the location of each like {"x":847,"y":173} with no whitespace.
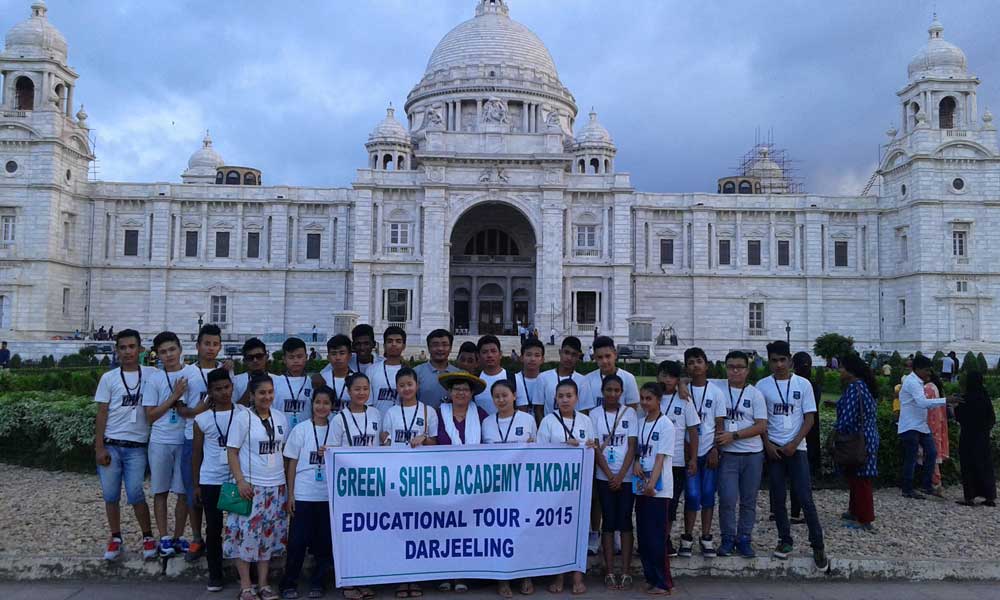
{"x":199,"y":426}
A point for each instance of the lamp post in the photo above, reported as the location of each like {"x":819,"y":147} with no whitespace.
{"x":788,"y":332}
{"x":200,"y":321}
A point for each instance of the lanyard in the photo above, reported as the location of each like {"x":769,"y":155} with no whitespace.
{"x":268,"y":427}
{"x":388,"y":384}
{"x":402,"y":412}
{"x":288,"y":382}
{"x":527,"y":394}
{"x":732,"y":406}
{"x":361,"y":432}
{"x":340,"y":396}
{"x":784,"y":402}
{"x":701,"y":407}
{"x":170,"y":384}
{"x":642,"y":433}
{"x":671,"y":403}
{"x":611,"y":430}
{"x":567,"y":431}
{"x":326,"y":436}
{"x":503,"y":437}
{"x":224,"y":438}
{"x":202,"y":373}
{"x":131,"y":393}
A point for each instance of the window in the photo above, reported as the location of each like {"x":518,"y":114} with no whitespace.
{"x":902,"y":312}
{"x":946,"y":113}
{"x":959,"y":247}
{"x":7,"y":224}
{"x":65,"y":302}
{"x":586,"y":241}
{"x":724,"y":256}
{"x":753,"y":253}
{"x":756,"y":318}
{"x":191,"y":244}
{"x":492,"y":242}
{"x":399,"y":238}
{"x":11,"y":166}
{"x":666,"y":252}
{"x":958,"y":184}
{"x":784,"y":253}
{"x":745,"y":187}
{"x":24,"y":91}
{"x":253,"y":244}
{"x":729,"y":188}
{"x":397,"y":304}
{"x":218,"y":312}
{"x":221,"y":244}
{"x":220,"y":178}
{"x":312,"y":246}
{"x":840,"y":254}
{"x":249,"y":179}
{"x":586,"y":308}
{"x":131,"y":242}
{"x":904,"y":247}
{"x":232,"y":178}
{"x":962,"y":286}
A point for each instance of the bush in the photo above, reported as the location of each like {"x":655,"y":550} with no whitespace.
{"x":52,"y":430}
{"x":896,"y":361}
{"x":982,"y":364}
{"x":833,"y":345}
{"x":15,"y":361}
{"x":969,"y":363}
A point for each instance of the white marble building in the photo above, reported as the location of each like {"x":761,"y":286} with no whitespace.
{"x":486,"y":202}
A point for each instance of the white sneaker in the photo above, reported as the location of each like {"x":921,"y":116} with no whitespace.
{"x":707,"y":547}
{"x":593,"y":543}
{"x":167,"y":547}
{"x":149,"y":550}
{"x":115,"y":548}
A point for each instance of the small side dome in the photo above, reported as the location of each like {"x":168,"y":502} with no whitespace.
{"x":594,"y":133}
{"x":36,"y":37}
{"x":938,"y":58}
{"x":206,"y":157}
{"x":390,"y":129}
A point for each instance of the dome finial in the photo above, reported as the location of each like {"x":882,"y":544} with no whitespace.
{"x":936,"y":29}
{"x":38,"y":9}
{"x":492,"y":7}
{"x":207,"y":140}
{"x":390,"y":112}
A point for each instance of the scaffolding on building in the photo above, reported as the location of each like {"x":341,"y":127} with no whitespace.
{"x":771,"y":165}
{"x":94,"y":171}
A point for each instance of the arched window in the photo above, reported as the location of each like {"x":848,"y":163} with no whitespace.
{"x":729,"y":188}
{"x":492,"y":242}
{"x":582,"y":166}
{"x":914,"y":109}
{"x":745,"y":187}
{"x":946,"y":113}
{"x":595,"y":165}
{"x":249,"y":179}
{"x":24,"y":89}
{"x":387,"y":162}
{"x":59,"y":94}
{"x":607,"y":165}
{"x":374,"y":161}
{"x":232,"y":178}
{"x":400,"y":162}
{"x":219,"y":178}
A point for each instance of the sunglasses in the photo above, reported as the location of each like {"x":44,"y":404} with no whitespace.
{"x":255,"y":356}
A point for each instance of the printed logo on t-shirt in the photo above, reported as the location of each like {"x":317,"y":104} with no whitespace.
{"x":386,"y":395}
{"x":746,"y":404}
{"x":420,"y":422}
{"x":616,"y":440}
{"x":519,"y":431}
{"x":315,"y":458}
{"x":362,"y":440}
{"x":267,"y":447}
{"x":583,"y":434}
{"x":677,"y":410}
{"x":625,"y":424}
{"x":708,"y":403}
{"x":734,"y":415}
{"x":784,"y":409}
{"x":656,"y":436}
{"x":797,"y":395}
{"x":402,"y":436}
{"x":307,"y":392}
{"x":295,"y":406}
{"x":128,"y":400}
{"x":281,"y":430}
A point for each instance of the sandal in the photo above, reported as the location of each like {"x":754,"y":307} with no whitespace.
{"x":444,"y":586}
{"x":556,"y":587}
{"x":403,"y":591}
{"x":367,"y":593}
{"x":655,"y":591}
{"x":415,"y":591}
{"x":610,"y":582}
{"x":527,"y":587}
{"x":626,"y":582}
{"x":316,"y":593}
{"x":461,"y":587}
{"x":247,"y":594}
{"x":353,"y":593}
{"x":266,"y":593}
{"x":503,"y":590}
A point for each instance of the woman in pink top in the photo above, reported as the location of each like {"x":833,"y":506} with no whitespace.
{"x":937,"y":420}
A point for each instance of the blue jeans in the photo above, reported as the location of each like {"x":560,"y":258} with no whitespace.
{"x":739,"y":481}
{"x":796,"y":468}
{"x":186,"y":466}
{"x":911,"y":440}
{"x":128,"y":465}
{"x":651,"y":521}
{"x":310,"y":529}
{"x":699,"y":491}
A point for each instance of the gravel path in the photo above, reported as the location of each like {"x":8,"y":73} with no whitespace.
{"x":55,"y":513}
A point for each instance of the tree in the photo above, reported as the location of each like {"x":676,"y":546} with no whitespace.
{"x":833,"y":345}
{"x":983,"y":365}
{"x":969,"y":363}
{"x":896,"y":361}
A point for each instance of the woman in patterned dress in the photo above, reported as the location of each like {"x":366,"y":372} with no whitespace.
{"x":856,"y":413}
{"x":937,"y":420}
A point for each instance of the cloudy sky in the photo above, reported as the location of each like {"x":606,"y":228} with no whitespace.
{"x":293,"y":88}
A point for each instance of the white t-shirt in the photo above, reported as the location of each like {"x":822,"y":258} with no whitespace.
{"x":260,"y":459}
{"x":657,"y":437}
{"x":519,"y":428}
{"x":785,"y":418}
{"x":215,"y":462}
{"x":359,"y":367}
{"x":169,"y":428}
{"x":310,"y":478}
{"x":240,"y":384}
{"x":126,"y":417}
{"x":356,"y":429}
{"x":529,"y":390}
{"x":630,"y":389}
{"x":403,"y":422}
{"x":383,"y":385}
{"x":197,"y":390}
{"x":557,"y":430}
{"x":339,"y":386}
{"x":683,"y":415}
{"x":484,"y":400}
{"x":740,"y":408}
{"x":548,"y":381}
{"x":705,"y":400}
{"x":625,"y":424}
{"x":293,"y":396}
{"x":947,"y":366}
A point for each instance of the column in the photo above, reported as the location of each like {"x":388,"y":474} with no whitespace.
{"x":203,"y":242}
{"x":604,"y":234}
{"x":772,"y":246}
{"x":796,"y":251}
{"x":549,"y":296}
{"x":379,"y":309}
{"x":415,"y":319}
{"x":435,"y":282}
{"x":479,"y":113}
{"x":508,"y":305}
{"x":237,"y":244}
{"x":524,"y":117}
{"x":531,"y":117}
{"x":69,"y":100}
{"x":293,"y":255}
{"x":377,"y":234}
{"x":458,"y":116}
{"x":474,"y":306}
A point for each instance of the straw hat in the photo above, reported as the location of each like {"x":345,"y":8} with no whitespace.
{"x":449,"y":379}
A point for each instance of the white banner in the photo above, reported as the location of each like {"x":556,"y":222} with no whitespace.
{"x":400,"y":515}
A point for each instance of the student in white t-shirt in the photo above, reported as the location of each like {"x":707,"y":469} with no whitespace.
{"x":357,"y":424}
{"x":255,"y":360}
{"x":467,"y":359}
{"x":569,"y":358}
{"x":210,"y":466}
{"x":653,"y":486}
{"x":383,"y":373}
{"x":739,"y":423}
{"x":606,"y":356}
{"x":120,"y":439}
{"x":293,"y":390}
{"x":488,"y":349}
{"x":791,"y":413}
{"x":254,"y":447}
{"x":507,"y":425}
{"x":308,"y":500}
{"x":566,"y":425}
{"x":529,"y":392}
{"x":676,"y":405}
{"x":700,"y":490}
{"x":363,"y":343}
{"x":166,"y":440}
{"x":409,"y":423}
{"x":616,"y":428}
{"x":334,"y":375}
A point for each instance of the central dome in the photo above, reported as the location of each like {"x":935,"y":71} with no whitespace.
{"x":492,"y":38}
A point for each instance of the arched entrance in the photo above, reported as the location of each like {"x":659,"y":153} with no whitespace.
{"x":492,"y":270}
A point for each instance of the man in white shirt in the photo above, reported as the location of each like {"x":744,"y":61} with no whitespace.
{"x":430,"y":391}
{"x":791,"y":412}
{"x":363,"y":338}
{"x":293,"y":390}
{"x":383,"y":373}
{"x":606,"y":355}
{"x":334,"y":375}
{"x":121,"y":435}
{"x":947,"y":367}
{"x":529,"y":394}
{"x":912,"y":428}
{"x":255,"y":359}
{"x":488,"y":350}
{"x":569,"y":358}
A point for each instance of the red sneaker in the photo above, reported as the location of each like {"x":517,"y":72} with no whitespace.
{"x":114,"y":550}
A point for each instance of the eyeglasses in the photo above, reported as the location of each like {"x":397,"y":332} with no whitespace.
{"x":257,"y":356}
{"x":735,"y":368}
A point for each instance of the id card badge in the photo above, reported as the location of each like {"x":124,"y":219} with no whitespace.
{"x":224,"y":456}
{"x":134,"y":417}
{"x":319,"y":472}
{"x":173,"y":416}
{"x":295,"y":419}
{"x":609,"y":454}
{"x":732,"y":426}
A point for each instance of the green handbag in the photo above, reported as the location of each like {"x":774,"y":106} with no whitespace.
{"x":230,"y":500}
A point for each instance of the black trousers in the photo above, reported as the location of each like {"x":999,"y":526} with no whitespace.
{"x":213,"y":529}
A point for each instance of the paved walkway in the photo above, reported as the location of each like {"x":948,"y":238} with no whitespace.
{"x":686,"y":588}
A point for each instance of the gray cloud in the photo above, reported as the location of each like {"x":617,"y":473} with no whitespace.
{"x":294,"y":88}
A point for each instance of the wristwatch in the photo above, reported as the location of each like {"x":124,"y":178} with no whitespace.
{"x":736,"y":435}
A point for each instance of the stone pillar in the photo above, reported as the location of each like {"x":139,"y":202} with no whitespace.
{"x":434,"y":284}
{"x":549,"y":293}
{"x":458,"y":116}
{"x":474,"y":307}
{"x":203,"y":242}
{"x":508,"y":304}
{"x":479,"y":113}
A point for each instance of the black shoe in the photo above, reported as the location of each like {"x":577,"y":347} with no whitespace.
{"x":671,"y":551}
{"x":990,"y":503}
{"x":822,"y":562}
{"x":797,"y":521}
{"x":965,"y":503}
{"x":215,"y":585}
{"x":914,"y":496}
